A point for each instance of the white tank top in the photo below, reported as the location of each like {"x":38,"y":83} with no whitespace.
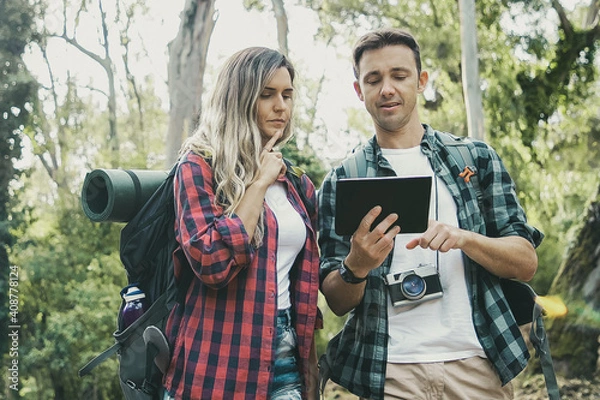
{"x":439,"y":329}
{"x":290,"y":239}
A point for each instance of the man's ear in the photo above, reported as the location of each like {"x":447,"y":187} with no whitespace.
{"x":423,"y":79}
{"x":358,"y":91}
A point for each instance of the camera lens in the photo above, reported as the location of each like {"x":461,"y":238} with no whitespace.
{"x":413,"y":287}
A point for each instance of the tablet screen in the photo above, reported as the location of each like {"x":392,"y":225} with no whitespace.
{"x":409,"y":197}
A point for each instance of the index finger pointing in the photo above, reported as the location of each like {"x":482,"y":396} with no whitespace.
{"x":271,"y":143}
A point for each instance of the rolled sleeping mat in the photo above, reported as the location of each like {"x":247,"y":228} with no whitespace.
{"x":116,"y":195}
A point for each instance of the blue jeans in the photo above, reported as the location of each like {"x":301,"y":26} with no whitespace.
{"x":287,"y":382}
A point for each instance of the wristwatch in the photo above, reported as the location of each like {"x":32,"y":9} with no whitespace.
{"x":348,"y":276}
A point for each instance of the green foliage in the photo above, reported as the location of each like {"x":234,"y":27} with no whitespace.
{"x":142,"y":132}
{"x":305,"y":159}
{"x":576,"y":350}
{"x":332,"y":324}
{"x":17,"y":91}
{"x":254,"y":5}
{"x":71,"y":294}
{"x":70,"y":272}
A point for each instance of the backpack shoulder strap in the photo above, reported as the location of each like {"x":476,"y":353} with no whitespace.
{"x":461,"y":149}
{"x":355,"y":165}
{"x":295,"y":174}
{"x":539,"y":340}
{"x":99,"y":359}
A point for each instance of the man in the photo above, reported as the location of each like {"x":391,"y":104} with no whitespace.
{"x":466,"y":343}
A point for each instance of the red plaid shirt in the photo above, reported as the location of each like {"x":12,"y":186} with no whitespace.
{"x":223,"y":337}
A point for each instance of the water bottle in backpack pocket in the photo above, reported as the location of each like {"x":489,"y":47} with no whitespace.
{"x":141,"y":345}
{"x":135,"y":305}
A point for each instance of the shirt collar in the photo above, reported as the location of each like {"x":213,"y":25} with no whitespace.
{"x":428,"y":144}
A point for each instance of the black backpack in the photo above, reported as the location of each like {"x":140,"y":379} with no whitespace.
{"x":147,"y":243}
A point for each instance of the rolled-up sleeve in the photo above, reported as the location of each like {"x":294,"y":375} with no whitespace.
{"x":215,"y":245}
{"x":504,"y":215}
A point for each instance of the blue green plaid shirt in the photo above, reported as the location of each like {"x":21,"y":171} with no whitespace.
{"x":356,"y":357}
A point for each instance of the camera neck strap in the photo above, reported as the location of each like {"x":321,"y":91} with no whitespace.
{"x":437,"y":218}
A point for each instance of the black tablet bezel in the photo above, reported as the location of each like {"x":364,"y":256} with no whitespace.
{"x":409,"y":197}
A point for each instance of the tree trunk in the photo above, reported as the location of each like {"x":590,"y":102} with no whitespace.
{"x":106,"y":63}
{"x":574,"y":338}
{"x":470,"y":69}
{"x":282,"y":26}
{"x":112,"y":117}
{"x":187,"y":62}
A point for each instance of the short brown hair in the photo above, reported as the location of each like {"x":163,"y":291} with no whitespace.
{"x":381,"y":38}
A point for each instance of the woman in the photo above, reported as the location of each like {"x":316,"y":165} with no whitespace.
{"x":246,"y":327}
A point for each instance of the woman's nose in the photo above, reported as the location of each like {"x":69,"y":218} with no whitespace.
{"x":280,"y":104}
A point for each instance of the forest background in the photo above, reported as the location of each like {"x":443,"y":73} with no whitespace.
{"x":117,"y":83}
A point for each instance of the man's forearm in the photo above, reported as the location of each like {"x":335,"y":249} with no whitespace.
{"x":341,"y":296}
{"x":507,"y":257}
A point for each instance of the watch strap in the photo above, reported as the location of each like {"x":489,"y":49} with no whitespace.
{"x":348,"y":276}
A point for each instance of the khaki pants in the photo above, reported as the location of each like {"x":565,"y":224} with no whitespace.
{"x":467,"y":379}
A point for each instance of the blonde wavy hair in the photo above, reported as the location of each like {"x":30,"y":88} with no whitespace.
{"x":228,"y":128}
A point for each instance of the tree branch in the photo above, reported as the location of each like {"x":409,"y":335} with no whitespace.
{"x":562,"y":16}
{"x":104,"y":31}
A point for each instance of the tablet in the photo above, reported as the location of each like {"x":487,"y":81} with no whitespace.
{"x":408,"y":197}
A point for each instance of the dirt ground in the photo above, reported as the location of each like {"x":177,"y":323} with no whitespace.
{"x":526,"y":388}
{"x":533,"y":388}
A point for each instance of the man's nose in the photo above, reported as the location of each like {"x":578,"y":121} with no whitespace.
{"x":387,"y":88}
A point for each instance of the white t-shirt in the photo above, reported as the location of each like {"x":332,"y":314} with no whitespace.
{"x":290,"y":239}
{"x":438,"y":329}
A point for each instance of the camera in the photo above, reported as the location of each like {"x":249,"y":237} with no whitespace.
{"x":414,"y":286}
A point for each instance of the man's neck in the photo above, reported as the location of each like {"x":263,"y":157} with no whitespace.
{"x":404,"y":138}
